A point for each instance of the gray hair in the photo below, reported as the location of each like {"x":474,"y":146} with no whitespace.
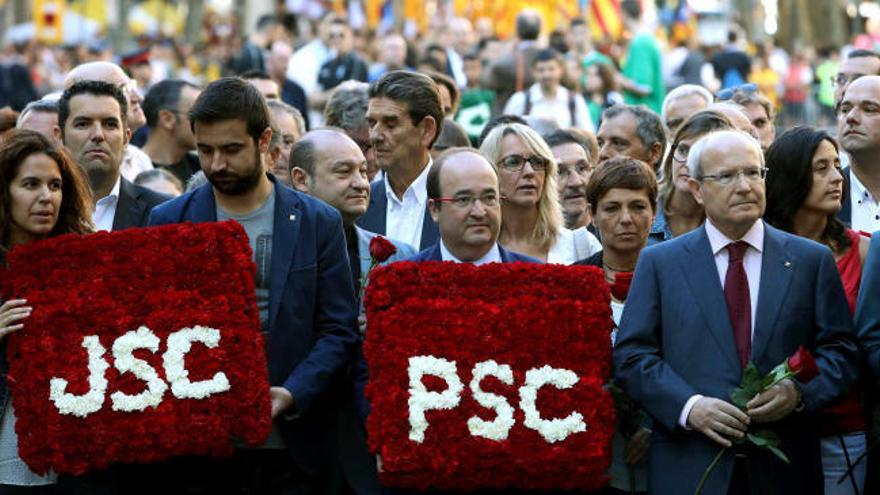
{"x":297,"y":116}
{"x":686,"y":90}
{"x":695,"y":155}
{"x":347,"y":106}
{"x":197,"y":180}
{"x":43,"y":105}
{"x":649,"y":126}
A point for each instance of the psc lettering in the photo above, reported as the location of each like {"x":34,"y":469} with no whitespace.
{"x":179,"y":344}
{"x":421,"y":400}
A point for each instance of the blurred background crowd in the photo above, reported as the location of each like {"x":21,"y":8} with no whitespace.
{"x":791,"y":47}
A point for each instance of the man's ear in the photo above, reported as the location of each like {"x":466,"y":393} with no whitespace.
{"x":694,"y":187}
{"x":299,"y":179}
{"x":127,"y":135}
{"x":265,"y":139}
{"x":56,"y":133}
{"x":434,"y":210}
{"x":167,"y":119}
{"x":656,"y":154}
{"x":430,"y":130}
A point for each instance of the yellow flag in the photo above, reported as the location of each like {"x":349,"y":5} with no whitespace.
{"x":48,"y":20}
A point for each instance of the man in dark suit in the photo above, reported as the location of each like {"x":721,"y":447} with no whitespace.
{"x":704,"y":304}
{"x":512,"y":72}
{"x":466,"y":204}
{"x":92,"y":126}
{"x":859,"y":134}
{"x":305,"y":296}
{"x":868,"y":308}
{"x":405,"y":118}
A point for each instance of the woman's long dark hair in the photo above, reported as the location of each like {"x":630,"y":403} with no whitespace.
{"x":790,"y":180}
{"x":75,"y":215}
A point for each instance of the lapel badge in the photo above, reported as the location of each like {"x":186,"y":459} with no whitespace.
{"x":787,"y":264}
{"x":292,"y":217}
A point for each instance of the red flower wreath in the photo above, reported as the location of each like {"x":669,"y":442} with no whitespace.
{"x":106,"y":285}
{"x":521,"y":315}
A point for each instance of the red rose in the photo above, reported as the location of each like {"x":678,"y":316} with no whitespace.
{"x":381,"y":249}
{"x":803,"y":365}
{"x":620,"y":287}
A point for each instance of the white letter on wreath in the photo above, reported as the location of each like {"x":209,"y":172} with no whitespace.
{"x":553,"y":430}
{"x":499,"y":428}
{"x":125,"y":361}
{"x":91,"y":401}
{"x":421,"y":400}
{"x":179,"y":343}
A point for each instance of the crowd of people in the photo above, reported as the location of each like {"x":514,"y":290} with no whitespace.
{"x":744,"y":235}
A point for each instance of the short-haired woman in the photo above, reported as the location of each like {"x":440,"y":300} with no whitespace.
{"x":622,"y":194}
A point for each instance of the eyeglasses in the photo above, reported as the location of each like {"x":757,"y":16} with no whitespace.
{"x":726,"y":94}
{"x":728,"y":178}
{"x":840,"y":79}
{"x":515,"y":163}
{"x":489,"y":200}
{"x":579,"y":168}
{"x":681,"y":153}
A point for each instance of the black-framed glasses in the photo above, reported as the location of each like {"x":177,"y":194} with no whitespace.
{"x":753,"y":175}
{"x":466,"y":202}
{"x":726,"y":94}
{"x":515,"y":163}
{"x":681,"y":153}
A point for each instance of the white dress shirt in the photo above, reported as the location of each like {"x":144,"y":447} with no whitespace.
{"x":865,"y":207}
{"x":573,"y":245}
{"x":493,"y":256}
{"x":752,"y":265}
{"x":404,"y":217}
{"x":555,"y":108}
{"x":105,"y":209}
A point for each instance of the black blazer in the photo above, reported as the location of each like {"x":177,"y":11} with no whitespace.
{"x":845,"y":213}
{"x":134,"y":205}
{"x":374,"y":219}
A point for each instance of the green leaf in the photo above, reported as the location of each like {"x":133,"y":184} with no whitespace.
{"x":751,"y":385}
{"x":769,"y":440}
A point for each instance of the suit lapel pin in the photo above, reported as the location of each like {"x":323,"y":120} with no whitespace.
{"x":787,"y":264}
{"x":292,"y":217}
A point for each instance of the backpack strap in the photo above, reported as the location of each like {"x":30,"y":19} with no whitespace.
{"x":571,"y":109}
{"x":528,"y":107}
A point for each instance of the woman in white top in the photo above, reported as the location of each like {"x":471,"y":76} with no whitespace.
{"x":531,"y":217}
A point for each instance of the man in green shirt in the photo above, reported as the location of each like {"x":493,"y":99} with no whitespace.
{"x":642,"y":66}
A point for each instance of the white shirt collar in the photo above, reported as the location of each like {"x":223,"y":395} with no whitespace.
{"x":114,"y":194}
{"x":859,"y":191}
{"x":754,"y":237}
{"x":419,"y":187}
{"x":493,"y":256}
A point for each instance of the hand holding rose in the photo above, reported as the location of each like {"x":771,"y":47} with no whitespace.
{"x":718,"y":420}
{"x":12,"y":312}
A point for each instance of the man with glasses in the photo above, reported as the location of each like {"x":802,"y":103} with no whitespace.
{"x":573,"y":173}
{"x":465,"y":202}
{"x":171,"y":141}
{"x":704,"y":305}
{"x":858,"y":63}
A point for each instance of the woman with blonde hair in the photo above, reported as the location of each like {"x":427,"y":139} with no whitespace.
{"x":531,"y":216}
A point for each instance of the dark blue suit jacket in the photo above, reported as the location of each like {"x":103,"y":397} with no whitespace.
{"x":312,"y":310}
{"x":374,"y":219}
{"x":868,"y":309}
{"x":845,"y":213}
{"x":676,"y":341}
{"x":433,"y":254}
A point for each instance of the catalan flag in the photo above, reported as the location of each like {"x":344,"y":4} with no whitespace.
{"x":605,"y":19}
